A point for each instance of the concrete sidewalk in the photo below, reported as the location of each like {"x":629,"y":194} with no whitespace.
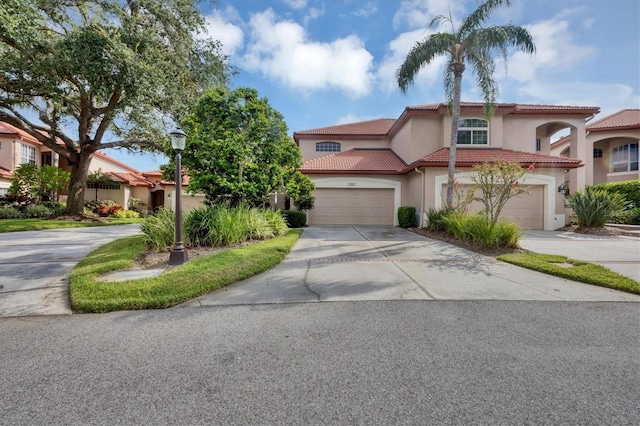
{"x":354,"y":263}
{"x":619,"y":253}
{"x":35,"y":266}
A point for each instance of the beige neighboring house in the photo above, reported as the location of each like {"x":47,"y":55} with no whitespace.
{"x":18,"y":147}
{"x":365,"y":171}
{"x":612,"y":148}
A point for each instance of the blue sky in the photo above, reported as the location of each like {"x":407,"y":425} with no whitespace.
{"x":326,"y":62}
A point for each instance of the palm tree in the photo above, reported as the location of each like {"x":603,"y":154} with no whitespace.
{"x":471,"y":43}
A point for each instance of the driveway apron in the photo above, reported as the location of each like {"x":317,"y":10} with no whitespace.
{"x":35,"y":266}
{"x":352,"y":263}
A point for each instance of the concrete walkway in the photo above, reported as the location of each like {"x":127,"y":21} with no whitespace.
{"x":35,"y":266}
{"x":353,"y":263}
{"x":620,"y":253}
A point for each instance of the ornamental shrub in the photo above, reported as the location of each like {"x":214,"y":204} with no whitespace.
{"x":407,"y":216}
{"x":294,"y":218}
{"x":594,"y":207}
{"x":436,"y":218}
{"x":37,"y":210}
{"x":123,"y":214}
{"x":9,"y":212}
{"x":629,"y":189}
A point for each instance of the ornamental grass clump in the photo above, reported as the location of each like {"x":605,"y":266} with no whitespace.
{"x":594,"y":207}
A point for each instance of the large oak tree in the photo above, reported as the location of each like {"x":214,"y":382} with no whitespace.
{"x":117,"y":72}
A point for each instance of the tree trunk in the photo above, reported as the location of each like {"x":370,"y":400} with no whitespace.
{"x":455,"y":116}
{"x":79,"y":173}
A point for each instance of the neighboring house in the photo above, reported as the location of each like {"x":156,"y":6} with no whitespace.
{"x":364,"y":171}
{"x":18,"y":147}
{"x":612,"y":148}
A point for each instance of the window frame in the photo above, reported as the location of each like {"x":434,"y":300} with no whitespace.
{"x":473,"y":130}
{"x":625,"y":162}
{"x":328,"y":146}
{"x":27,"y":154}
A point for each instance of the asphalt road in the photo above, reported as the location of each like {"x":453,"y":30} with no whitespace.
{"x":379,"y":362}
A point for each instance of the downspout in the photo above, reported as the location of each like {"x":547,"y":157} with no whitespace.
{"x":421,"y":224}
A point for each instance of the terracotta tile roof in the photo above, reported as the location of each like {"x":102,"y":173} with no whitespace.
{"x":621,"y":120}
{"x":379,"y":127}
{"x":131,"y":179}
{"x":357,"y":160}
{"x":9,"y":130}
{"x":467,"y":157}
{"x":5,"y":174}
{"x":516,"y":108}
{"x":153,"y":173}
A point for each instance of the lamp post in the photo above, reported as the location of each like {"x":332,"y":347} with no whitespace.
{"x":179,"y":255}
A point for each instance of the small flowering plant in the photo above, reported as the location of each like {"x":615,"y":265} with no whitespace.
{"x":496,"y":182}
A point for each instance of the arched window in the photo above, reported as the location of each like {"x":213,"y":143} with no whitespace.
{"x":327,"y":147}
{"x":473,"y":131}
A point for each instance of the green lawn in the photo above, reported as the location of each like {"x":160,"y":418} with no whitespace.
{"x":16,"y":225}
{"x":572,"y":269}
{"x":182,"y":283}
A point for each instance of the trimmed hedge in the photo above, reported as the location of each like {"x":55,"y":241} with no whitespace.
{"x":407,"y":216}
{"x":294,"y":218}
{"x":630,"y":189}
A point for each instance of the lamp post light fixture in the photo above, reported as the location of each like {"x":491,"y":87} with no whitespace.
{"x":179,"y":255}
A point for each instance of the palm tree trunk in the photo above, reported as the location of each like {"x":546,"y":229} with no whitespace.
{"x":455,"y":116}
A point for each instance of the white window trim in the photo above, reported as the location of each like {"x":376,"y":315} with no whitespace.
{"x":472,"y":129}
{"x":338,"y":144}
{"x":628,"y":159}
{"x":30,"y":149}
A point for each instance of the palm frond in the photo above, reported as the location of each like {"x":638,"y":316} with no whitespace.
{"x":421,"y":55}
{"x":478,"y":16}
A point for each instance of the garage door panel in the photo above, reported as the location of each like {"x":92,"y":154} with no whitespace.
{"x":527,"y":210}
{"x":358,"y":206}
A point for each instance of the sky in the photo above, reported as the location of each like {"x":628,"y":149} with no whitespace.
{"x":327,"y":62}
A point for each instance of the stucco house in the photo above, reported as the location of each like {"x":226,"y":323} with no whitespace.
{"x":364,"y":171}
{"x":18,"y":147}
{"x":612,"y":148}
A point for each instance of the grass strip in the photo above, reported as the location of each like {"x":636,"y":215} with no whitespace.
{"x":578,"y":271}
{"x":19,"y":225}
{"x":182,"y":283}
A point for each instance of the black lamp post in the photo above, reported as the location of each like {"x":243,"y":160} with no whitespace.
{"x":179,"y":255}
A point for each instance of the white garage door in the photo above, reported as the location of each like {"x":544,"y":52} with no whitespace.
{"x":344,"y":206}
{"x":527,"y":210}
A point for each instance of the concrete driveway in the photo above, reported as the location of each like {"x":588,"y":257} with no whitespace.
{"x":354,"y":263}
{"x":35,"y":266}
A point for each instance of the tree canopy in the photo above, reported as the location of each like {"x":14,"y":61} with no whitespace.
{"x":473,"y":43}
{"x":114,"y":71}
{"x":238,"y":149}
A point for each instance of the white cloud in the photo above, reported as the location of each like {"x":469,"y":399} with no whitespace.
{"x":398,"y":50}
{"x":555,"y":50}
{"x":281,"y":51}
{"x":414,"y":14}
{"x":296,"y":4}
{"x":367,"y":10}
{"x":220,"y":28}
{"x":313,"y":13}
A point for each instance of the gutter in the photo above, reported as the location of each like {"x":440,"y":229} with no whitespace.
{"x":421,"y":222}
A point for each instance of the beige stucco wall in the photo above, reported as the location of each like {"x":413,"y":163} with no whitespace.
{"x":189,"y":201}
{"x":120,"y":196}
{"x":6,"y":154}
{"x":308,"y":146}
{"x":602,"y":166}
{"x":106,"y":166}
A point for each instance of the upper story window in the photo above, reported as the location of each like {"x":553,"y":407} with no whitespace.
{"x":473,"y":131}
{"x":327,"y":147}
{"x":27,"y":154}
{"x":624,"y":158}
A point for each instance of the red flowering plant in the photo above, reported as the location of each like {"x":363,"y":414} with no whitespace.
{"x":496,"y":182}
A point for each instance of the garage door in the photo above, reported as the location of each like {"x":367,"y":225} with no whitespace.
{"x":344,"y":206}
{"x":527,"y":210}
